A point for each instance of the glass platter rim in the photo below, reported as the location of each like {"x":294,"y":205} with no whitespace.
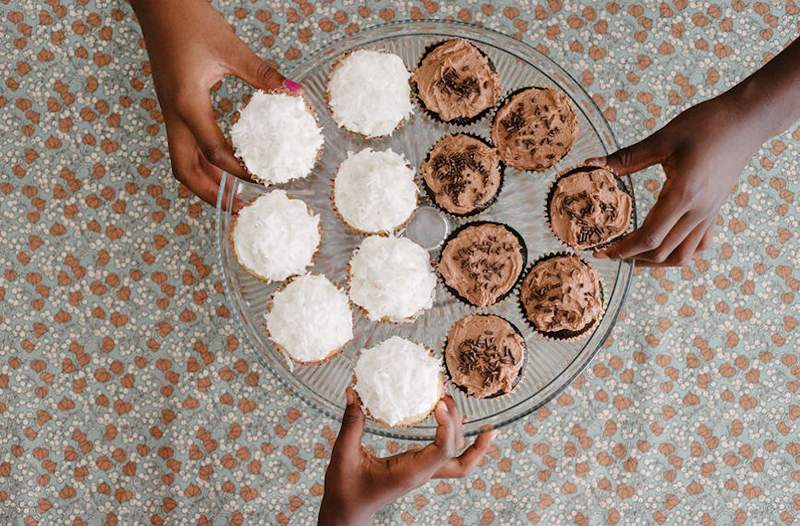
{"x":447,"y":28}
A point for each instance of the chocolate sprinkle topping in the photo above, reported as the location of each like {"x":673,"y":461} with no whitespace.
{"x":451,"y":82}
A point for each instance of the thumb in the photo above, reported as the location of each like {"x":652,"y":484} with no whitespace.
{"x":349,"y":439}
{"x":633,"y":158}
{"x":263,"y":75}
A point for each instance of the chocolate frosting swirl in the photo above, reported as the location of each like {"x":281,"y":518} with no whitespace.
{"x":535,"y":128}
{"x":588,"y":208}
{"x":462,"y":173}
{"x":561,"y":293}
{"x":456,"y":80}
{"x":484,"y":355}
{"x":482,"y":262}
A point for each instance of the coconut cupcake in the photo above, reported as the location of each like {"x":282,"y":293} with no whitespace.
{"x":456,"y":82}
{"x":277,"y":137}
{"x":482,"y":261}
{"x":391,"y":279}
{"x":374,"y":192}
{"x":310,"y":319}
{"x":275,"y":236}
{"x":588,"y":207}
{"x":561,"y":296}
{"x":462,"y":174}
{"x":369,"y":93}
{"x":399,"y":382}
{"x":535,"y":128}
{"x":484,"y":355}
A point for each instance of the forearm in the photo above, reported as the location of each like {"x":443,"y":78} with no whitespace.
{"x":768,"y":101}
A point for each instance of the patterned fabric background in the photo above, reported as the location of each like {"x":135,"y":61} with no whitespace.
{"x":127,"y":397}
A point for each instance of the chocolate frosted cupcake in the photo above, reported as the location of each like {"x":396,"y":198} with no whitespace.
{"x":482,"y":261}
{"x":588,"y":207}
{"x":535,"y":128}
{"x":561,"y":296}
{"x":484,"y":355}
{"x":456,"y":82}
{"x":462,"y":174}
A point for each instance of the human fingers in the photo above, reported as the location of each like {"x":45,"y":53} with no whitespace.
{"x":633,"y":158}
{"x":187,"y":166}
{"x":683,"y":229}
{"x":465,"y":463}
{"x":668,"y":209}
{"x":428,"y":459}
{"x":707,"y":239}
{"x":348,"y":443}
{"x":198,"y":115}
{"x":261,"y":74}
{"x":684,"y":252}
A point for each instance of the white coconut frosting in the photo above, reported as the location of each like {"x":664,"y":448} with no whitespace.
{"x":391,"y":278}
{"x":310,"y":319}
{"x":375,"y":191}
{"x":277,"y":137}
{"x":398,"y":381}
{"x":275,"y":236}
{"x":368,"y":92}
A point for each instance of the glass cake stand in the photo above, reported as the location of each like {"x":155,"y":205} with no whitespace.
{"x":551,"y":365}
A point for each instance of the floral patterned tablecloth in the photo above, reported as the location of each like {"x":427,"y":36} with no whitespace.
{"x":127,"y":395}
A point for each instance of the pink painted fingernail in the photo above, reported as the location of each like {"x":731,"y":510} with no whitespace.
{"x":293,"y":87}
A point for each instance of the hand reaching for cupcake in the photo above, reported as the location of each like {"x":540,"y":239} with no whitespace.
{"x":358,"y":484}
{"x":191,"y":47}
{"x":703,"y":151}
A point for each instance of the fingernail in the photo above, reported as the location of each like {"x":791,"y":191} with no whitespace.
{"x":601,"y":254}
{"x":492,"y":434}
{"x":442,"y":406}
{"x":350,"y":396}
{"x":293,"y":87}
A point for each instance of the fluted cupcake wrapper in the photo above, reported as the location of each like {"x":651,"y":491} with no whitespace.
{"x":563,"y":335}
{"x":505,"y":100}
{"x":458,"y":121}
{"x":458,"y":386}
{"x":454,"y":217}
{"x":481,"y":309}
{"x":548,"y":200}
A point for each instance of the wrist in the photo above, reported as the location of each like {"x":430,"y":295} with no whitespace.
{"x":751,"y":113}
{"x":336,"y":513}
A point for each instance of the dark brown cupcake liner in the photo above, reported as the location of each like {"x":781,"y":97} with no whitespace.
{"x":421,"y":183}
{"x":458,"y":121}
{"x":505,"y":100}
{"x":454,"y":293}
{"x":562,"y":335}
{"x":497,"y":394}
{"x":548,"y":200}
{"x":327,"y":96}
